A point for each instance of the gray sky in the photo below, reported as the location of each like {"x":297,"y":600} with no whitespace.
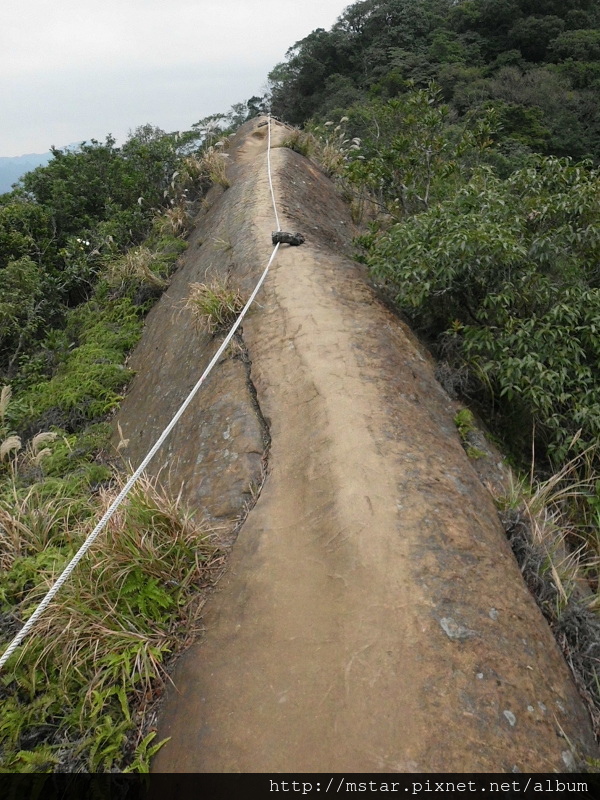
{"x":72,"y":70}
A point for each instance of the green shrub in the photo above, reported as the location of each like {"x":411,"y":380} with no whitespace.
{"x":505,"y":276}
{"x":90,"y":381}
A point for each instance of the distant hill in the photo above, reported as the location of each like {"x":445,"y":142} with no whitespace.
{"x":11,"y":168}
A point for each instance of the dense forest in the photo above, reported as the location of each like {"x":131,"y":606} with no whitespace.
{"x":536,"y":61}
{"x":465,"y":135}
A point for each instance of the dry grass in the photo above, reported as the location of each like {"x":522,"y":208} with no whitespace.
{"x":560,"y":519}
{"x":11,"y":445}
{"x":115,"y":599}
{"x":332,"y":159}
{"x":213,"y":306}
{"x":193,"y":168}
{"x":213,"y":165}
{"x":327,"y":144}
{"x":223,"y":245}
{"x":334,"y":147}
{"x":175,"y":221}
{"x":5,"y":396}
{"x":99,"y":652}
{"x":553,"y":527}
{"x":135,"y":266}
{"x":302,"y":142}
{"x":30,"y":522}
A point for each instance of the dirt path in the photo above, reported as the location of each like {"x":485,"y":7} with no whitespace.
{"x":372,"y":617}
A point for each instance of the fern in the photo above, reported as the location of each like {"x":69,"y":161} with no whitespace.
{"x":143,"y":754}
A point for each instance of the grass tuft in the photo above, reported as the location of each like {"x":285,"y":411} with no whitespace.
{"x":214,"y":166}
{"x":139,"y":265}
{"x":193,"y":169}
{"x":302,"y":142}
{"x":213,"y":306}
{"x":177,"y":220}
{"x":553,"y":529}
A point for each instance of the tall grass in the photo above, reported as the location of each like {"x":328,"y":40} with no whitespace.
{"x":553,"y":527}
{"x":176,"y":221}
{"x":72,"y":695}
{"x":302,"y":142}
{"x":140,"y":264}
{"x":213,"y":166}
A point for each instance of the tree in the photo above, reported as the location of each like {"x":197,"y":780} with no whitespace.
{"x":532,"y":35}
{"x":523,"y":124}
{"x":378,"y":46}
{"x":577,"y":45}
{"x":408,"y":156}
{"x":256,"y":106}
{"x":21,"y":305}
{"x":26,"y":229}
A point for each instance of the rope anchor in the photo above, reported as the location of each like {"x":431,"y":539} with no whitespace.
{"x":281,"y":237}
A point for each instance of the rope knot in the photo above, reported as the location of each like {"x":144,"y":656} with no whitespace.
{"x":281,"y":237}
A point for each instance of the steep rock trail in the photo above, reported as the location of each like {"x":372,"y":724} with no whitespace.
{"x":372,"y":617}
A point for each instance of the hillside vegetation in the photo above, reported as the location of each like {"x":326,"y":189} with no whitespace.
{"x":87,"y":245}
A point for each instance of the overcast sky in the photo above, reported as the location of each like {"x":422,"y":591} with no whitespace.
{"x":72,"y":70}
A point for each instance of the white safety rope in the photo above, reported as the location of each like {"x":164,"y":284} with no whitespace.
{"x":64,"y":576}
{"x":270,"y":176}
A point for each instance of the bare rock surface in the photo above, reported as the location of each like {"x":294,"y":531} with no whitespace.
{"x":372,"y":617}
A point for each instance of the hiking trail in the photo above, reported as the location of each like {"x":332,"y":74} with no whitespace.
{"x":372,"y":617}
